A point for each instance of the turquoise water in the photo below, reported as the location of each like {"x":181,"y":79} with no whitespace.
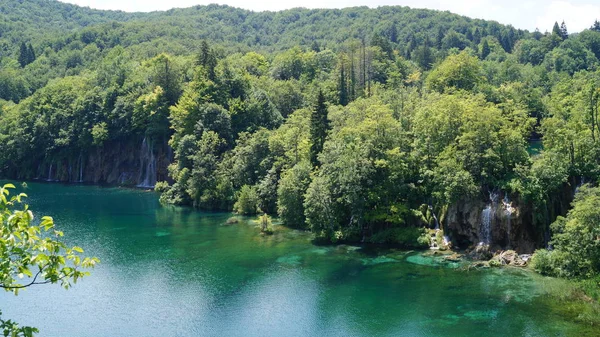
{"x":178,"y":272}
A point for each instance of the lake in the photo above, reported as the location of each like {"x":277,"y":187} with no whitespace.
{"x":169,"y":271}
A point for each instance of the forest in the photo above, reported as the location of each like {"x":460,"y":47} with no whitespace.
{"x":360,"y":125}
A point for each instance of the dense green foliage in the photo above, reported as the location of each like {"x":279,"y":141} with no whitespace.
{"x":33,"y":254}
{"x":345,"y":122}
{"x":576,"y":239}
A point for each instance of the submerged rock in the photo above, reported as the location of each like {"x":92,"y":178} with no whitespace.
{"x":455,"y":257}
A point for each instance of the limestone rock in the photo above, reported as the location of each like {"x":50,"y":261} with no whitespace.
{"x":508,"y":258}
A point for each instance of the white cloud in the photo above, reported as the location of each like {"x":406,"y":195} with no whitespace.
{"x":525,"y":14}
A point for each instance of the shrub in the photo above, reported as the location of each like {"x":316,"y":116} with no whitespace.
{"x":247,"y":203}
{"x":266,"y":227}
{"x":161,"y":186}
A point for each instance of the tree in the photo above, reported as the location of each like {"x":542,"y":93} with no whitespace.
{"x":35,"y":253}
{"x":576,"y":239}
{"x":439,"y":37}
{"x":167,"y":76}
{"x":343,"y":91}
{"x":30,"y":53}
{"x":207,"y":59}
{"x":290,"y":194}
{"x":596,"y":26}
{"x":394,"y":33}
{"x":560,"y":31}
{"x":423,"y":55}
{"x":485,"y":49}
{"x":315,"y":47}
{"x":477,"y":36}
{"x":23,"y":55}
{"x":319,"y":126}
{"x":563,"y":31}
{"x":247,"y":203}
{"x":462,"y":71}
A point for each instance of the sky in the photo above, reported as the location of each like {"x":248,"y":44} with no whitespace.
{"x":524,"y":14}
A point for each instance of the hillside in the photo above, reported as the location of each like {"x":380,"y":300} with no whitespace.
{"x":358,"y":124}
{"x":44,"y":19}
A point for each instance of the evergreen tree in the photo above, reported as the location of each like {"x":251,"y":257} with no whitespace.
{"x":477,"y":36}
{"x":394,"y":33}
{"x":30,"y":54}
{"x":315,"y":47}
{"x":343,"y":93}
{"x":596,"y":26}
{"x":23,"y":55}
{"x":556,"y":30}
{"x":319,"y":125}
{"x":469,"y":35}
{"x":207,"y":59}
{"x":563,"y":31}
{"x":381,"y":42}
{"x":439,"y":38}
{"x":423,"y":55}
{"x":412,"y":45}
{"x":352,"y":78}
{"x":485,"y":49}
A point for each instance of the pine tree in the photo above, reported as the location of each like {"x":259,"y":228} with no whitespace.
{"x":206,"y":58}
{"x":394,"y":33}
{"x":23,"y":55}
{"x":319,"y":126}
{"x":477,"y":36}
{"x":315,"y":47}
{"x":556,"y":29}
{"x":469,"y":35}
{"x":412,"y":45}
{"x":30,"y":54}
{"x":439,"y":38}
{"x":596,"y":26}
{"x":485,"y":49}
{"x":563,"y":31}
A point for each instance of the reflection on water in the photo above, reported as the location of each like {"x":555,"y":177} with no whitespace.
{"x":176,"y":272}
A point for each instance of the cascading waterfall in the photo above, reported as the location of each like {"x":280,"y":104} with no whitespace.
{"x":433,"y":237}
{"x":508,"y":211}
{"x":49,"y":173}
{"x":485,"y":230}
{"x":147,"y":176}
{"x":437,"y":223}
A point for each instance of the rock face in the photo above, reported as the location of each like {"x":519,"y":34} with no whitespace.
{"x":117,"y":163}
{"x":500,"y":222}
{"x":505,"y":222}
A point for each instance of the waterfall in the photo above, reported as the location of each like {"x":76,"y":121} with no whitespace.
{"x":147,"y":175}
{"x":437,"y":223}
{"x":508,"y":211}
{"x":49,"y":173}
{"x":485,"y":230}
{"x":433,"y":240}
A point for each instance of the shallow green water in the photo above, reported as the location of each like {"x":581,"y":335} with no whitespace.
{"x":177,"y":272}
